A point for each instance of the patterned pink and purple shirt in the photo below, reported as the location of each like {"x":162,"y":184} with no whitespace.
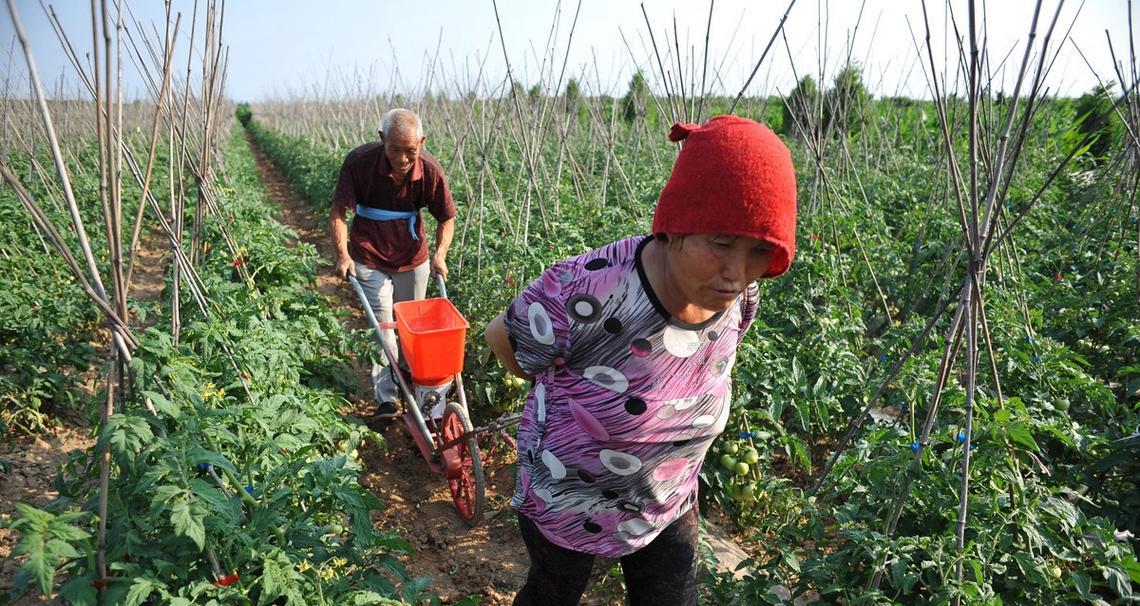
{"x":626,"y":400}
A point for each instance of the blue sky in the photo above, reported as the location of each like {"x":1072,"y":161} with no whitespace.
{"x":287,"y":48}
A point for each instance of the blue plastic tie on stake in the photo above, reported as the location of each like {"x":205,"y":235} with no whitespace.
{"x":1036,"y":358}
{"x":745,"y":435}
{"x":249,"y":490}
{"x":205,"y":467}
{"x":883,"y":357}
{"x":962,"y":437}
{"x":915,"y":446}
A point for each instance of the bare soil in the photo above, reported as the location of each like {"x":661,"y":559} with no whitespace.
{"x":27,"y":475}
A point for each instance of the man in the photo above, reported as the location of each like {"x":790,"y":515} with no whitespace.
{"x":385,"y":184}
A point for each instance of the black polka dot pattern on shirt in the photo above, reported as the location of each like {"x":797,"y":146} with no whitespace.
{"x":635,"y":406}
{"x":584,"y":308}
{"x":641,"y":348}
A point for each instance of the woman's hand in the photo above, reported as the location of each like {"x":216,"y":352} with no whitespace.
{"x":496,"y":335}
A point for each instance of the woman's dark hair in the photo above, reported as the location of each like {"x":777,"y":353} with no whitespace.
{"x":665,"y":238}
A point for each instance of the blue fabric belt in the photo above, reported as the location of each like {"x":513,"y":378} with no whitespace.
{"x":379,"y":214}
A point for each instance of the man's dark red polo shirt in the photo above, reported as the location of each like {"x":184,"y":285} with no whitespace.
{"x":365,"y":179}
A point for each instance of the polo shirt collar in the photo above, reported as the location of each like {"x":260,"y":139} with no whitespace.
{"x":386,"y":166}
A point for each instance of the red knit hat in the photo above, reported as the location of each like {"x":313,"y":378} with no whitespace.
{"x":735,"y":177}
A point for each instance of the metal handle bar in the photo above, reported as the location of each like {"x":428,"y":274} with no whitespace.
{"x":393,"y":361}
{"x":502,"y":422}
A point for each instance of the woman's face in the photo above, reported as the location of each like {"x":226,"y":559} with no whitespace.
{"x":711,"y":270}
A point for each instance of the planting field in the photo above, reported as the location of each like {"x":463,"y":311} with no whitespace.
{"x":939,"y":403}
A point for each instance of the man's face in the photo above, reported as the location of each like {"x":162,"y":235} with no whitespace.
{"x":402,"y":150}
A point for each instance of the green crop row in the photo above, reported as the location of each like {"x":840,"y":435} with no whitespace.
{"x":47,"y":326}
{"x":242,"y":487}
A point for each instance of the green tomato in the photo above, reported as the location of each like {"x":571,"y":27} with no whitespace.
{"x":727,"y":462}
{"x":742,"y":468}
{"x":1061,"y":404}
{"x":732,"y":448}
{"x":748,"y":492}
{"x":751,"y":456}
{"x":1055,"y":571}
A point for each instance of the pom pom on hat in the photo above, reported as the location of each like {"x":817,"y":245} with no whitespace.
{"x":733,"y":177}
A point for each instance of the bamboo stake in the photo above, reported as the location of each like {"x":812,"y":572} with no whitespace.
{"x":526,"y":144}
{"x":61,"y":169}
{"x":171,"y":38}
{"x":779,"y":28}
{"x":698,"y":118}
{"x":664,"y":77}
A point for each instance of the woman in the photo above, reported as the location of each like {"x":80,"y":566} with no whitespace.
{"x":630,"y":348}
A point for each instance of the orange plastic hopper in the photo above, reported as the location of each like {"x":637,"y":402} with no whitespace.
{"x":432,"y":333}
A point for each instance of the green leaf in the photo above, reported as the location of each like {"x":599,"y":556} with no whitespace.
{"x":32,"y":515}
{"x":187,"y":524}
{"x":280,"y":578}
{"x":63,"y":529}
{"x":1132,"y":567}
{"x":57,"y":548}
{"x":165,"y":494}
{"x":413,"y":588}
{"x":1020,"y":434}
{"x":791,"y":560}
{"x":38,"y":563}
{"x":1083,"y":584}
{"x":1063,"y":510}
{"x":127,"y":433}
{"x":163,"y":405}
{"x":140,"y":589}
{"x":1117,"y":580}
{"x":78,"y":591}
{"x":371,"y":598}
